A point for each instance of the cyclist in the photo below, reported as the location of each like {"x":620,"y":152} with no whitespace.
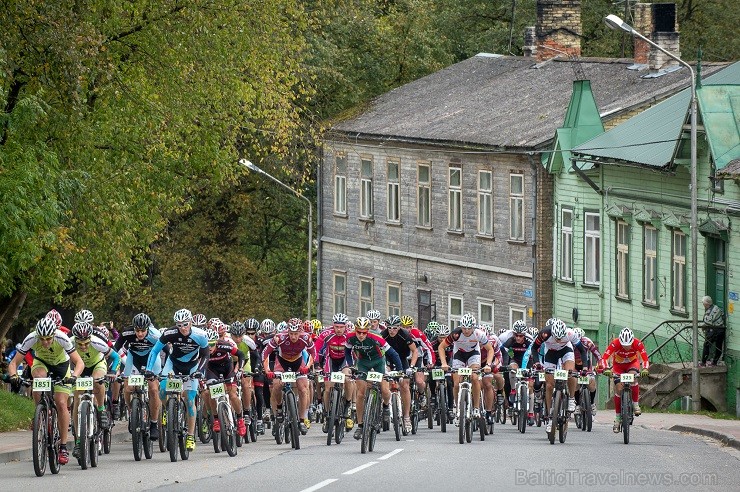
{"x":221,"y":366}
{"x":189,"y":357}
{"x":139,"y":340}
{"x":57,"y":319}
{"x":369,"y":351}
{"x":268,"y":329}
{"x":627,"y":352}
{"x":400,"y":340}
{"x":466,"y":343}
{"x":289,"y":347}
{"x":426,"y":358}
{"x":330,"y":347}
{"x":443,"y":331}
{"x":591,"y":349}
{"x":376,"y":326}
{"x":493,"y":382}
{"x":248,"y":346}
{"x":514,"y":344}
{"x":560,"y":342}
{"x":53,"y":352}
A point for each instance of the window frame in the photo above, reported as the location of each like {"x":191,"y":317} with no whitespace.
{"x":366,"y":303}
{"x":453,"y":319}
{"x":454,"y":199}
{"x":485,"y":205}
{"x":566,"y":246}
{"x":393,"y":200}
{"x":678,"y":285}
{"x":424,"y":193}
{"x":518,"y":308}
{"x":393,"y":308}
{"x":486,"y":303}
{"x":516,"y":208}
{"x":622,"y":264}
{"x":592,"y":279}
{"x":339,"y":296}
{"x":340,"y":184}
{"x":650,"y":263}
{"x":366,"y":188}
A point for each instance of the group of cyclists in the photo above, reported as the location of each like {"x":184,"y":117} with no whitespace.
{"x":247,"y":355}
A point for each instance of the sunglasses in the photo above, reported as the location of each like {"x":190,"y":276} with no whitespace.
{"x":251,"y":333}
{"x":141,"y":330}
{"x":81,"y":343}
{"x":183,"y":325}
{"x":358,"y":332}
{"x":46,"y":339}
{"x":394,"y":327}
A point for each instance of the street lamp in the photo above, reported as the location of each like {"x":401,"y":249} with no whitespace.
{"x":252,"y":167}
{"x":615,"y":22}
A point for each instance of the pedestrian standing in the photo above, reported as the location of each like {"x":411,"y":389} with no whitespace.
{"x":714,"y":332}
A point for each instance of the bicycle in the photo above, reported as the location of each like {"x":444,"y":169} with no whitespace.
{"x":250,"y":415}
{"x":87,"y":429}
{"x":465,"y":405}
{"x":559,"y":411}
{"x":203,"y":420}
{"x":226,"y":438}
{"x":288,"y":428}
{"x":45,"y":432}
{"x":520,"y":407}
{"x":162,"y":425}
{"x":441,"y":410}
{"x":372,"y":413}
{"x":539,"y":398}
{"x":139,"y":417}
{"x":107,"y":431}
{"x":627,"y":410}
{"x":335,"y":420}
{"x":584,"y":417}
{"x":396,"y":408}
{"x":176,"y":425}
{"x":499,"y":411}
{"x":415,"y":404}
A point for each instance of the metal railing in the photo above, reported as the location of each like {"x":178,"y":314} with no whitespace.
{"x":672,"y":340}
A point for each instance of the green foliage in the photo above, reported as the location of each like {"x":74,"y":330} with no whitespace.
{"x":16,"y":412}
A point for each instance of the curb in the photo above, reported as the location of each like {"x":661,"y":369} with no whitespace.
{"x":26,"y":454}
{"x":723,"y":438}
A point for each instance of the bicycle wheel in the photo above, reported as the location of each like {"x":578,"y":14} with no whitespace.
{"x":239,"y":439}
{"x":332,"y":416}
{"x":83,"y":419}
{"x":442,"y":405}
{"x":396,"y":415}
{"x":414,"y":416}
{"x":162,"y":441}
{"x":182,"y":430}
{"x":430,"y":410}
{"x":626,"y":412}
{"x":107,"y":433}
{"x":586,"y":415}
{"x":173,"y":422}
{"x":40,"y":439}
{"x":216,"y":436}
{"x":375,"y":429}
{"x":145,"y":430}
{"x":228,"y":432}
{"x":523,"y":407}
{"x":94,"y":443}
{"x":502,"y":409}
{"x":340,"y":422}
{"x":555,"y":411}
{"x":462,"y":414}
{"x":482,"y":424}
{"x":295,"y":432}
{"x":252,"y":429}
{"x":203,"y":422}
{"x":563,"y":421}
{"x":136,"y":428}
{"x":54,"y":440}
{"x":368,"y":420}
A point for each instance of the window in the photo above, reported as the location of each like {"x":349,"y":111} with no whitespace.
{"x":485,"y":311}
{"x":516,"y":207}
{"x":454,"y":217}
{"x":517,"y":313}
{"x":650,"y":265}
{"x":394,"y":298}
{"x":366,"y":188}
{"x":623,"y":264}
{"x":678,"y":273}
{"x":592,"y":249}
{"x":455,"y":311}
{"x":340,"y":185}
{"x":394,"y":196}
{"x":485,"y":203}
{"x":366,"y":295}
{"x":424,"y":195}
{"x":566,"y":244}
{"x":340,"y":292}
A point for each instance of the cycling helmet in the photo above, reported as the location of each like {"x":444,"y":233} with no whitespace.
{"x":102,"y":332}
{"x":199,"y":320}
{"x":267,"y":326}
{"x":281,"y":327}
{"x":340,"y":319}
{"x":558,"y":329}
{"x":84,"y":316}
{"x":211,"y":322}
{"x":579,"y":332}
{"x":55,"y":317}
{"x":251,"y":324}
{"x":432,"y":328}
{"x":519,"y":326}
{"x":141,"y":321}
{"x":550,"y":322}
{"x":317,"y":326}
{"x":82,"y":330}
{"x":220,"y":327}
{"x":373,"y":314}
{"x":295,"y":324}
{"x":467,"y":321}
{"x":501,"y":330}
{"x":626,"y":337}
{"x":443,"y":331}
{"x":46,"y":327}
{"x":237,"y":328}
{"x":183,"y":315}
{"x":534,"y":331}
{"x":394,"y":320}
{"x":212,"y":336}
{"x":362,"y":324}
{"x":407,"y":321}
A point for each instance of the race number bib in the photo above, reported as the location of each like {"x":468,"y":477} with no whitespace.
{"x":561,"y":374}
{"x":84,"y":384}
{"x":519,"y":374}
{"x":337,"y":377}
{"x":288,"y":377}
{"x":438,"y":374}
{"x":42,"y":384}
{"x":582,"y":379}
{"x":465,"y":371}
{"x":136,"y":380}
{"x":174,"y":385}
{"x":374,"y":377}
{"x":541,"y":377}
{"x":627,"y":377}
{"x":217,"y":390}
{"x":393,"y":374}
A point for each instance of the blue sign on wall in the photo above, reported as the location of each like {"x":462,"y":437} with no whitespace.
{"x":527,"y":292}
{"x":733,"y":296}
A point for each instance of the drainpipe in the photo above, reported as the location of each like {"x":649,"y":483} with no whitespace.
{"x":535,"y":292}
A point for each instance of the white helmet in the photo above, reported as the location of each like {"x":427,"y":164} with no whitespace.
{"x":579,"y":332}
{"x":183,"y":315}
{"x":519,"y":326}
{"x":467,"y":321}
{"x":84,"y":316}
{"x":443,"y":331}
{"x":626,"y":337}
{"x":559,"y":329}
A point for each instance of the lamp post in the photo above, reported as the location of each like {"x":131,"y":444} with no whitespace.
{"x":615,"y":22}
{"x":252,"y":167}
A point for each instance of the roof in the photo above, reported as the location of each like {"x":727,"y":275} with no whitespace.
{"x":720,"y":112}
{"x":652,"y":134}
{"x":731,"y":170}
{"x":503,"y":101}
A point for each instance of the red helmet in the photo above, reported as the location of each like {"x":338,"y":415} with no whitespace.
{"x":55,"y":317}
{"x":295,"y":324}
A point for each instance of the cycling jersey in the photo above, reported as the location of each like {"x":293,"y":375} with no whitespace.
{"x":187,"y":350}
{"x":590,"y":348}
{"x":138,"y":350}
{"x":401,"y":343}
{"x":247,"y":347}
{"x":494,"y":341}
{"x":557,"y":349}
{"x":625,"y":355}
{"x":513,"y":349}
{"x":289,"y":350}
{"x":426,"y":351}
{"x":57,"y":353}
{"x":220,"y":362}
{"x":96,"y":352}
{"x":467,"y":343}
{"x":372,"y":348}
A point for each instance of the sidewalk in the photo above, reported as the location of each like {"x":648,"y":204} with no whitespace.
{"x":725,"y":431}
{"x":16,"y":446}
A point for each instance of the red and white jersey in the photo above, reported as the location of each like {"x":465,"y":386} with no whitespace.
{"x":467,"y":343}
{"x":423,"y":344}
{"x":625,"y":355}
{"x":288,"y":350}
{"x":496,"y":350}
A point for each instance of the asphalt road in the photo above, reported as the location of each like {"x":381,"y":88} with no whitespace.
{"x":658,"y":460}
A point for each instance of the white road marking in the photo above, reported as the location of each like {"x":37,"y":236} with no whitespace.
{"x":360,"y":468}
{"x":320,"y":484}
{"x":392,"y":453}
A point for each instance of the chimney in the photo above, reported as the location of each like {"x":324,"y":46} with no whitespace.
{"x":530,"y":41}
{"x":659,"y":23}
{"x":558,"y":28}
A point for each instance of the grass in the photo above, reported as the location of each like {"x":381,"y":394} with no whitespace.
{"x":16,"y":412}
{"x":714,"y":415}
